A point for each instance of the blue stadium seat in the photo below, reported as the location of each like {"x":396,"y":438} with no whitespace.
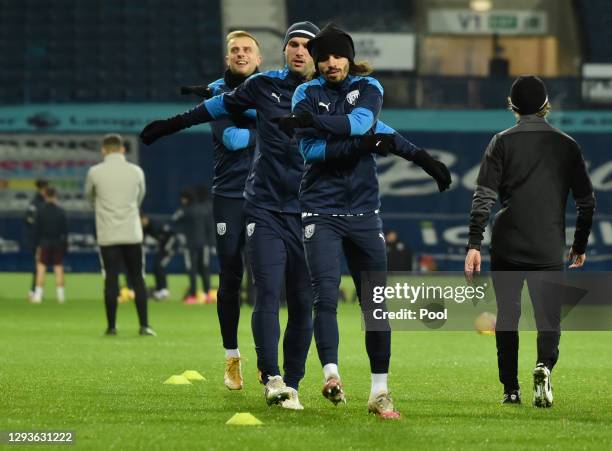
{"x":116,"y":50}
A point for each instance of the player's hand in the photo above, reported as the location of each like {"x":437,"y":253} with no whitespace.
{"x":576,"y":259}
{"x":434,"y":168}
{"x":472,"y":264}
{"x":156,"y":129}
{"x":379,"y":143}
{"x":200,"y":90}
{"x":290,"y":122}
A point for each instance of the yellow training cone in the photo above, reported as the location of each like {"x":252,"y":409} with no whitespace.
{"x":177,"y":380}
{"x":243,"y":419}
{"x":193,"y":375}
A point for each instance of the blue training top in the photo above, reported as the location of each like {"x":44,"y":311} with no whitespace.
{"x":234,"y":142}
{"x":337,"y":178}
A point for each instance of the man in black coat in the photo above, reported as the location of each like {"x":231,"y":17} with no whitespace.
{"x":531,"y":168}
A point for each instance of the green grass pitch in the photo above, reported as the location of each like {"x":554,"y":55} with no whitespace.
{"x":58,"y":372}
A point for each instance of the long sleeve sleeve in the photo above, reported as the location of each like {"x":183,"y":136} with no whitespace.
{"x":486,"y":194}
{"x":317,"y":149}
{"x":315,"y":145}
{"x":142,"y":186}
{"x":90,"y":190}
{"x":584,"y":198}
{"x":403,"y":147}
{"x":233,"y":137}
{"x":222,"y":106}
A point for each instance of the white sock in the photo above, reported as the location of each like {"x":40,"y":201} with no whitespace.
{"x":379,"y":384}
{"x":330,"y":370}
{"x":38,"y":293}
{"x":61,"y":297}
{"x":232,"y":353}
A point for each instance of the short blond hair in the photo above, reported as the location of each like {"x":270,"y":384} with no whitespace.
{"x":112,"y":142}
{"x":240,"y":34}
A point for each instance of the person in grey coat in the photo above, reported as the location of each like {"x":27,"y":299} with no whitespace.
{"x":115,"y":188}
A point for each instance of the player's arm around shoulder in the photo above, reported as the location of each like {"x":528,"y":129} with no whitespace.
{"x":242,"y":98}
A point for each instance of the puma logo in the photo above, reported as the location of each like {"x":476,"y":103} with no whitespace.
{"x":326,"y":105}
{"x":276,"y":96}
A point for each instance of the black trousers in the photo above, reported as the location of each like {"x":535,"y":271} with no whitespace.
{"x":165,"y":252}
{"x":197,"y":262}
{"x":508,"y":280}
{"x":33,"y":260}
{"x":229,"y":220}
{"x":132,"y":258}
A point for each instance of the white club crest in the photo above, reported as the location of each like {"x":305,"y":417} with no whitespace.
{"x":309,"y":231}
{"x":352,"y":97}
{"x":221,"y":228}
{"x":250,"y":228}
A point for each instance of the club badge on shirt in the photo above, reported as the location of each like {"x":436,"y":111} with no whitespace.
{"x":309,"y":231}
{"x":352,"y":97}
{"x":221,"y":228}
{"x":250,"y":228}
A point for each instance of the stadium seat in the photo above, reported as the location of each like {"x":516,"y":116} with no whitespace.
{"x":85,"y":40}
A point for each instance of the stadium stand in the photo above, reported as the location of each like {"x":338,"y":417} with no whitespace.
{"x":595,"y":17}
{"x":61,"y":51}
{"x":388,"y":16}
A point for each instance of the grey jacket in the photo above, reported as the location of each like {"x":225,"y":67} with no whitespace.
{"x":116,"y":188}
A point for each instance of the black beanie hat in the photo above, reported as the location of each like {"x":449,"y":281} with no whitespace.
{"x":301,"y":30}
{"x":528,"y":95}
{"x":331,"y":41}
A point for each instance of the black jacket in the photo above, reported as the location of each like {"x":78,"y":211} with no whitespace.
{"x":30,"y":221}
{"x":532,"y":167}
{"x":51,"y":226}
{"x":195,"y":222}
{"x":159,"y":231}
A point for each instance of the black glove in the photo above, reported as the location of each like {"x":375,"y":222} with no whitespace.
{"x":434,"y":168}
{"x":379,"y":143}
{"x":202,"y":90}
{"x":156,"y":129}
{"x":289,"y":123}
